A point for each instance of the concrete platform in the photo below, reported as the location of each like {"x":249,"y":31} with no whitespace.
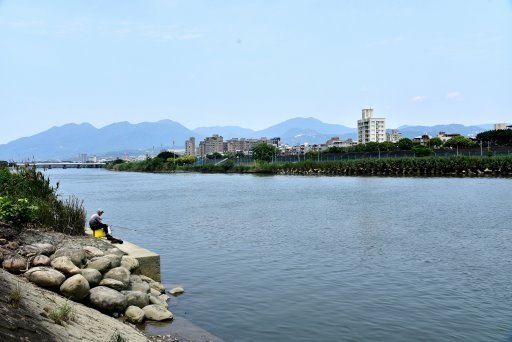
{"x":149,"y":262}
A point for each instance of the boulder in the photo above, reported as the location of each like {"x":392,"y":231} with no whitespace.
{"x":135,"y":278}
{"x":129,"y":263}
{"x":139,"y":286}
{"x":29,"y":250}
{"x":46,"y":277}
{"x":146,"y":279}
{"x":107,"y":299}
{"x":12,"y":245}
{"x":157,"y":313}
{"x":15,"y":264}
{"x":116,"y":251}
{"x":136,"y":298}
{"x":3,"y":242}
{"x":113,"y":284}
{"x":115,"y":260}
{"x":101,"y":264}
{"x":134,"y":314}
{"x":41,"y":260}
{"x":164,"y":297}
{"x":45,"y":248}
{"x":177,"y":291}
{"x":65,"y":265}
{"x":119,"y":273}
{"x":92,"y":275}
{"x":157,"y":286}
{"x":77,"y":256}
{"x":91,"y":252}
{"x":154,"y":292}
{"x":75,"y":288}
{"x":157,"y":301}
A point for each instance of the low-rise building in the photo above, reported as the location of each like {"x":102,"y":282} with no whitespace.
{"x":393,"y":136}
{"x":500,"y":126}
{"x":447,"y":136}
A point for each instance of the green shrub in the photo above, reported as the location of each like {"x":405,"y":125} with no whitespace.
{"x":28,"y":197}
{"x":17,"y":212}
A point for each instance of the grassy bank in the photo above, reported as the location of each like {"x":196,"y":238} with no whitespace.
{"x":27,"y":198}
{"x":427,"y":166}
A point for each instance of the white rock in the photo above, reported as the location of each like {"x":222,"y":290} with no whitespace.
{"x":129,"y":263}
{"x":157,"y":313}
{"x":177,"y":291}
{"x":134,"y":314}
{"x":157,"y":286}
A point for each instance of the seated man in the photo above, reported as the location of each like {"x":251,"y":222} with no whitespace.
{"x":96,"y":223}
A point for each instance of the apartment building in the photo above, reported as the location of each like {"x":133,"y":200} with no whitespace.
{"x":394,"y":136}
{"x":370,"y":129}
{"x":190,"y":147}
{"x":244,"y":145}
{"x":210,"y":145}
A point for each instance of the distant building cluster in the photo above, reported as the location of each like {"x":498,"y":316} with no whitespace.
{"x":216,"y":144}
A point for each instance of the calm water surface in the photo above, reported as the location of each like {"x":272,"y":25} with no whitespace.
{"x":320,"y":258}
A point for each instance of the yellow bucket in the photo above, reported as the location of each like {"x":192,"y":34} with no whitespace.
{"x":99,"y":233}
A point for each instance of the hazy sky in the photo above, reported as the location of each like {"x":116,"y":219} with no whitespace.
{"x":253,"y":63}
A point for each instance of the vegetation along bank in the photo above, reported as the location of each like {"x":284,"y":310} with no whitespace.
{"x":404,"y":166}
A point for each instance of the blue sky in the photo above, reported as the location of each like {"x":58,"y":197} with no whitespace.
{"x":253,"y":63}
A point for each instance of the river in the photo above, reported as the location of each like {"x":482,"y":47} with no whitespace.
{"x":289,"y":258}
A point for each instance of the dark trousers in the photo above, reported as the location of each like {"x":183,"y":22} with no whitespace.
{"x":98,"y":225}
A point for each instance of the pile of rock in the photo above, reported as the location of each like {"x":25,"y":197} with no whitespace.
{"x":106,"y":280}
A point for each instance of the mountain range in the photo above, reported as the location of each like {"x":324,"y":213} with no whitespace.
{"x":68,"y":141}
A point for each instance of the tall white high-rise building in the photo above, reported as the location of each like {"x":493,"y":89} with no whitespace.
{"x":370,"y":129}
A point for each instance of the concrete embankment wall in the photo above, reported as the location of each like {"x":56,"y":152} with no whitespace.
{"x":149,"y":262}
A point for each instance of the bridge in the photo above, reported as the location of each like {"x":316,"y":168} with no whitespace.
{"x":66,"y":165}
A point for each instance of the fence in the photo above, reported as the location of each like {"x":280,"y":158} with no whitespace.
{"x":473,"y":152}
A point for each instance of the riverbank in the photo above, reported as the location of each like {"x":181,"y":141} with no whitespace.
{"x":35,"y":267}
{"x":407,"y":166}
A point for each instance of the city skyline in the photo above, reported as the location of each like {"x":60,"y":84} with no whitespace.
{"x":252,"y":64}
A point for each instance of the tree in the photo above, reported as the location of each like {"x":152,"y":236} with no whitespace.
{"x":500,"y":137}
{"x":264,"y":152}
{"x":166,"y":155}
{"x":387,"y":146}
{"x":405,"y":144}
{"x":214,"y":155}
{"x":3,"y":163}
{"x":459,"y":141}
{"x":436,"y":142}
{"x":422,"y":151}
